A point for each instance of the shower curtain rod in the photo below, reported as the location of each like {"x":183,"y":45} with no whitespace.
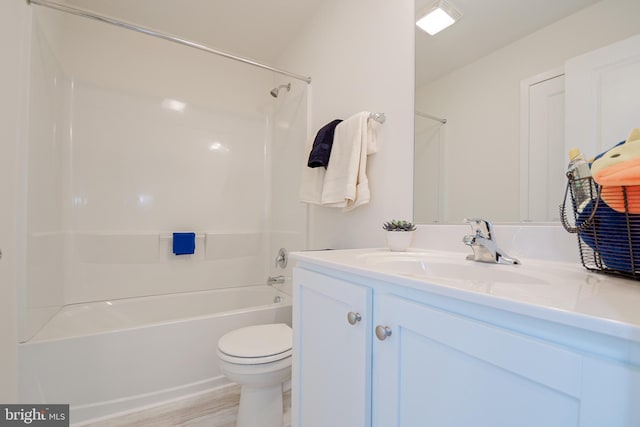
{"x":429,"y":116}
{"x":128,"y":26}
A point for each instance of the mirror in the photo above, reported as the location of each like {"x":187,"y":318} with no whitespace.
{"x":488,"y":75}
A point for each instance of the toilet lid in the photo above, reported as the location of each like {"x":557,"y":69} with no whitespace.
{"x":258,"y":341}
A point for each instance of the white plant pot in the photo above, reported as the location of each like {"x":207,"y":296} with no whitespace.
{"x":399,"y":241}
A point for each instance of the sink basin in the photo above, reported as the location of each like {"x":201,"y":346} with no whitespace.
{"x":447,"y":268}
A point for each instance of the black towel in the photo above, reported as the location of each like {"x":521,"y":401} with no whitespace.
{"x":319,"y":155}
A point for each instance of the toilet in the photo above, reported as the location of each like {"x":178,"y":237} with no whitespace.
{"x":258,"y":358}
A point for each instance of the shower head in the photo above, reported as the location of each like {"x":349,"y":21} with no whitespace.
{"x":274,"y":91}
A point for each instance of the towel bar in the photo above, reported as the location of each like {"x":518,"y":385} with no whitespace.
{"x":378,"y":117}
{"x":429,"y":116}
{"x":169,"y":236}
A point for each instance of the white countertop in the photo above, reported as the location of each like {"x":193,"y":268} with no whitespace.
{"x":559,"y":292}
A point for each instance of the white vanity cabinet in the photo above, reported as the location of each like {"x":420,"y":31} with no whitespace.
{"x":332,"y":352}
{"x":449,"y":370}
{"x":424,"y":363}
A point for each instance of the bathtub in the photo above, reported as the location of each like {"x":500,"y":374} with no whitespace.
{"x":109,"y":357}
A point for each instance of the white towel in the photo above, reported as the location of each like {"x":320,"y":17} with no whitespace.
{"x":344,"y":183}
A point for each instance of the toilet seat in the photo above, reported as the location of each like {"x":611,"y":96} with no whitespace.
{"x":258,"y":344}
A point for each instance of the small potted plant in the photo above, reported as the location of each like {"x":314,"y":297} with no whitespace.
{"x":399,"y":234}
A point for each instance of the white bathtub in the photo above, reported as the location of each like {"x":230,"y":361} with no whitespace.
{"x":109,"y":357}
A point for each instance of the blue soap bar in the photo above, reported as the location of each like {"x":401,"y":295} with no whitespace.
{"x":184,"y":243}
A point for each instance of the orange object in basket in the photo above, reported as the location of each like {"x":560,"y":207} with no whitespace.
{"x":614,"y":197}
{"x":618,"y":167}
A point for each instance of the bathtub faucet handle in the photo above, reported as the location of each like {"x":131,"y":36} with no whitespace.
{"x":282,"y":258}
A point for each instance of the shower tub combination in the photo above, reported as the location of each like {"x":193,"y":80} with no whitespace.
{"x":109,"y":357}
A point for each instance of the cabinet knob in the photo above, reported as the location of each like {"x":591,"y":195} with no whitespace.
{"x":353,"y":318}
{"x":382,"y":332}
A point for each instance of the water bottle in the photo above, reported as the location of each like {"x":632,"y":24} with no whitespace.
{"x":581,"y":182}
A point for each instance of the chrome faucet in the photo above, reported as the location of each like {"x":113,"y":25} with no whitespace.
{"x":485,"y":249}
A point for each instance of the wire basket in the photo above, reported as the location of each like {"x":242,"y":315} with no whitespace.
{"x":607,"y":223}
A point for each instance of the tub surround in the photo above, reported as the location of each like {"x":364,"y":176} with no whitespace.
{"x":427,"y":347}
{"x":116,"y":162}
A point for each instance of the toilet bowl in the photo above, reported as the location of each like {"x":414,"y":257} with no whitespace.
{"x":258,"y":358}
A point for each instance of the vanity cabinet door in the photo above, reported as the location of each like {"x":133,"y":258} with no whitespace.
{"x":611,"y":393}
{"x":441,"y":369}
{"x":332,"y":359}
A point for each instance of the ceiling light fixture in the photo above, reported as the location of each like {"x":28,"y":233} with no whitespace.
{"x":438,"y":16}
{"x":174,"y":104}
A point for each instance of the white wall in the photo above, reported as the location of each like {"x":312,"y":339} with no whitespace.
{"x":481,"y":104}
{"x":14,"y":23}
{"x":360,"y":57}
